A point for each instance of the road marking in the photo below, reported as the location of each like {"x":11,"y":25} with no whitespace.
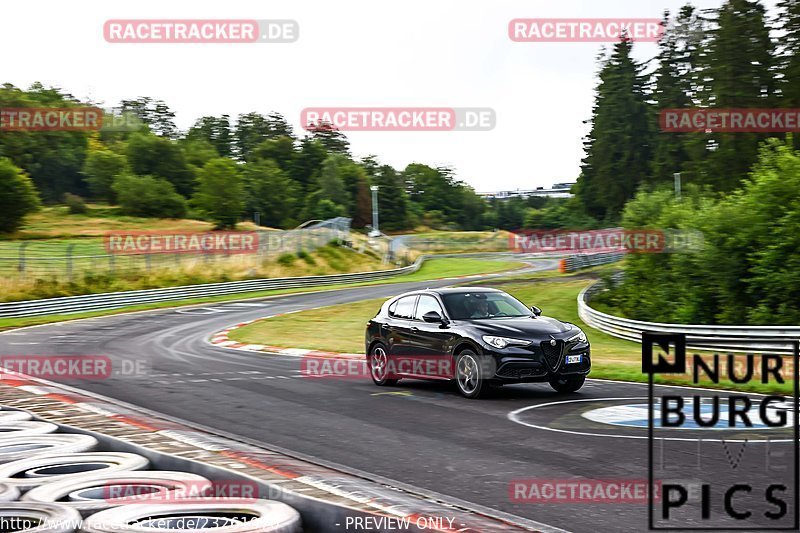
{"x":514,"y":416}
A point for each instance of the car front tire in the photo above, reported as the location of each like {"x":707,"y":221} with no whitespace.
{"x":566,"y":384}
{"x":378,"y":365}
{"x":469,"y":375}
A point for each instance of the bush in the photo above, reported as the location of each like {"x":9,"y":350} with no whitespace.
{"x":302,"y":254}
{"x":146,"y":196}
{"x":286,"y":259}
{"x":18,"y":196}
{"x":75,"y":204}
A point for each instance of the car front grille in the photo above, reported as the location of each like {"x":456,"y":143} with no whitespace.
{"x":553,"y":354}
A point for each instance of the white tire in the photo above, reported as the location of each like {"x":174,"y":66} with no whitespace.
{"x":265,"y":516}
{"x":16,"y":448}
{"x":8,"y":493}
{"x":26,"y":474}
{"x":14,"y":416}
{"x":34,"y":517}
{"x":24,"y":428}
{"x":92,"y":493}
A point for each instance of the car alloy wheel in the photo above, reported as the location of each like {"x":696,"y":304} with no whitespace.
{"x":468,"y":374}
{"x":379,"y":366}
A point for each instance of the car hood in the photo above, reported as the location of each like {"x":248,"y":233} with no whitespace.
{"x":519,"y":327}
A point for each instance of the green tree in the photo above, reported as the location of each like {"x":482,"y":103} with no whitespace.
{"x":157,"y":115}
{"x":393,"y":203}
{"x":149,"y":155}
{"x":270,"y":192}
{"x":18,"y":196}
{"x":220,"y":192}
{"x":307,"y":162}
{"x":279,"y":149}
{"x":252,"y":129}
{"x":789,"y":56}
{"x":101,"y":167}
{"x":619,"y":146}
{"x":148,"y":196}
{"x":215,"y":130}
{"x":741,"y":73}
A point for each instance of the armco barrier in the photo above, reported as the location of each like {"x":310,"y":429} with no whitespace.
{"x":114,"y":300}
{"x":580,"y":261}
{"x":751,"y":339}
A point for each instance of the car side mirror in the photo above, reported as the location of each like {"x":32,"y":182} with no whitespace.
{"x":432,"y":317}
{"x":536,"y":311}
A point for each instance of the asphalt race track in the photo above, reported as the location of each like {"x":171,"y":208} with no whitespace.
{"x":419,"y":433}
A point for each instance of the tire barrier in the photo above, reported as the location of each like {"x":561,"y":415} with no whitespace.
{"x":35,"y":517}
{"x":8,"y":493}
{"x":14,"y":416}
{"x":26,"y":447}
{"x":262,"y":516}
{"x":24,"y":428}
{"x":26,"y":474}
{"x":98,"y":492}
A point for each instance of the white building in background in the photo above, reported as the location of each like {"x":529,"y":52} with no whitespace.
{"x":558,"y":190}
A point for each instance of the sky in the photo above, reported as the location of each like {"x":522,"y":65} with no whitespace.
{"x":350,"y":53}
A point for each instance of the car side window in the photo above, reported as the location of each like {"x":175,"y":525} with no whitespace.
{"x":405,"y":307}
{"x":392,"y":308}
{"x":427,"y":304}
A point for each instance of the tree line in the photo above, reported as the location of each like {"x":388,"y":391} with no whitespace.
{"x":736,"y":56}
{"x":226,"y":170}
{"x":740,"y":190}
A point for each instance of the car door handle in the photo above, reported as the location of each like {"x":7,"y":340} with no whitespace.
{"x":414,"y":329}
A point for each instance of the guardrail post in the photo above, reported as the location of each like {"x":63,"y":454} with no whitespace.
{"x":68,"y":257}
{"x":21,"y":265}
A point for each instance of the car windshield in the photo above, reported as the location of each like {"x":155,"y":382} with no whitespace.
{"x":477,"y":305}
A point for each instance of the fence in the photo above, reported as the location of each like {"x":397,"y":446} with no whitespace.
{"x":66,"y":259}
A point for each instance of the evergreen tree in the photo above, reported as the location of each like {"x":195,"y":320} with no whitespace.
{"x":619,"y":145}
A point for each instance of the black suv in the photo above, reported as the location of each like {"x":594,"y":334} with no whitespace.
{"x":478,"y":337}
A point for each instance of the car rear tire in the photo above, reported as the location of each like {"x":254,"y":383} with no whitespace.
{"x":378,"y":365}
{"x":567,"y":383}
{"x":469,"y":375}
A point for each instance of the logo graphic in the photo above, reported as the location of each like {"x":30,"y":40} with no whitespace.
{"x":677,"y":342}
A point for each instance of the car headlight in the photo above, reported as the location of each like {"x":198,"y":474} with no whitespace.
{"x":502,"y":342}
{"x":580,"y":337}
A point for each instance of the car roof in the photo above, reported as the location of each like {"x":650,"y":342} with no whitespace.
{"x":452,"y":290}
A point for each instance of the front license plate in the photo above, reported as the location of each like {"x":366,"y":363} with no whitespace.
{"x":573,"y":359}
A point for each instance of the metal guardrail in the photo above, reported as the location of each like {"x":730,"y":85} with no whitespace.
{"x":579,"y":261}
{"x":751,"y":339}
{"x":115,"y":300}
